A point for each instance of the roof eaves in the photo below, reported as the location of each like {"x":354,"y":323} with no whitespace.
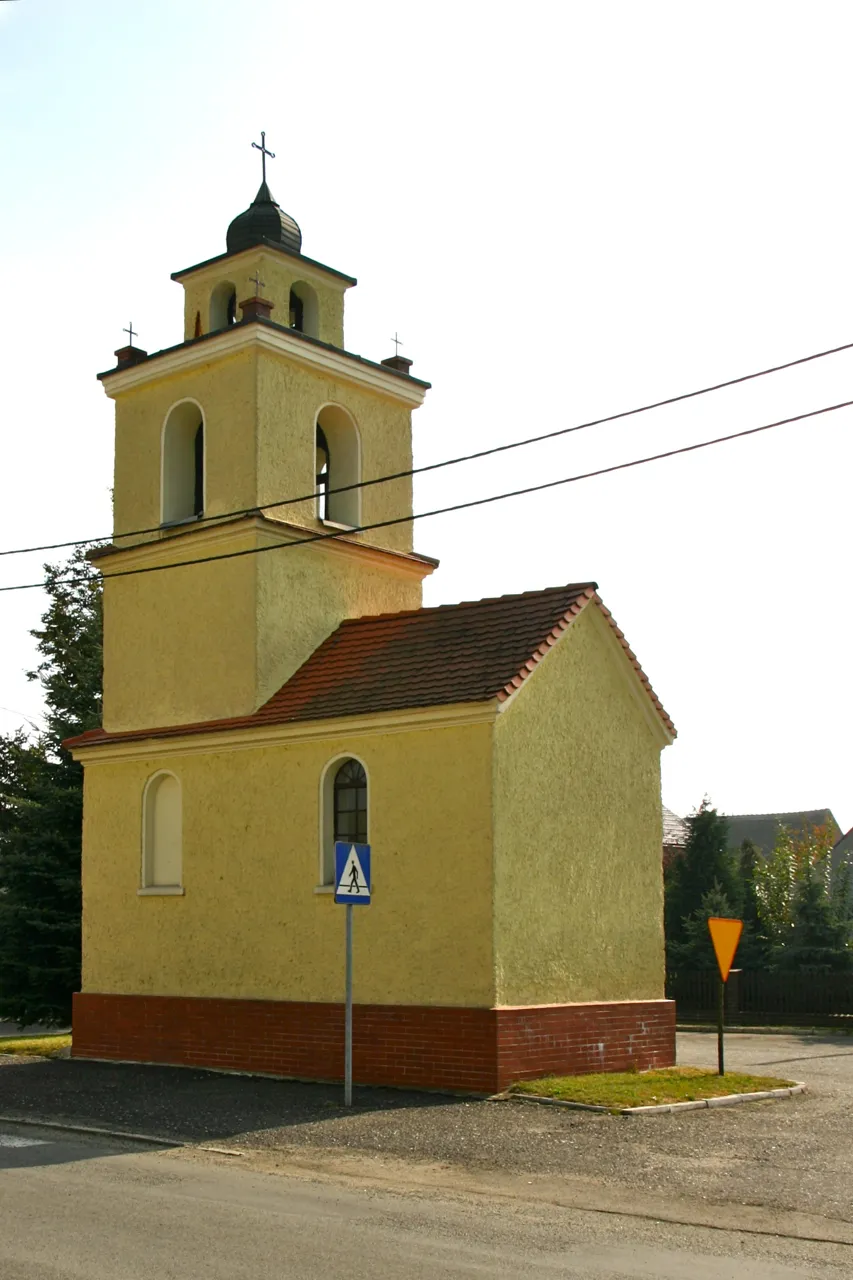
{"x":547,"y":644}
{"x":266,"y":323}
{"x":264,"y":244}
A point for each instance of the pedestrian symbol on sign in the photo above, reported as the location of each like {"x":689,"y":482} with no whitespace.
{"x":352,"y":873}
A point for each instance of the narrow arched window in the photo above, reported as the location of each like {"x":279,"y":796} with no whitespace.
{"x":304,"y":310}
{"x":162,"y":854}
{"x":223,"y":306}
{"x":343,"y":811}
{"x":322,"y":473}
{"x":198,"y":471}
{"x":351,"y":802}
{"x":183,"y":464}
{"x":297,"y":312}
{"x":341,"y":450}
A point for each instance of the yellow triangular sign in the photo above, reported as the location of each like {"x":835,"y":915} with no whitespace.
{"x":725,"y":935}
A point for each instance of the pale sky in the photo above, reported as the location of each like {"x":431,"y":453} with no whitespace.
{"x":565,"y":210}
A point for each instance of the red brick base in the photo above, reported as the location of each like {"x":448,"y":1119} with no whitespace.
{"x":479,"y":1050}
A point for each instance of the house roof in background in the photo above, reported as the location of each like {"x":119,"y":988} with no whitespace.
{"x":675,"y":829}
{"x":762,"y":828}
{"x":469,"y":652}
{"x":844,"y":846}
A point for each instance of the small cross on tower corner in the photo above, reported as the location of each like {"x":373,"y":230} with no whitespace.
{"x":397,"y":362}
{"x":130,"y":354}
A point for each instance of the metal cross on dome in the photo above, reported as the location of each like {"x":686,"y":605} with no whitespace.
{"x":262,"y":147}
{"x":258,"y":283}
{"x":131,"y":331}
{"x":397,"y":343}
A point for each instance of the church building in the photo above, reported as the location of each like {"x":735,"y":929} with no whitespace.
{"x":272,"y":684}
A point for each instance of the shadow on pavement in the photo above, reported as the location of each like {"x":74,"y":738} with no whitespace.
{"x":185,"y":1104}
{"x":39,"y":1148}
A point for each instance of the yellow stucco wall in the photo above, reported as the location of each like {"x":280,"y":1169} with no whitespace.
{"x":250,"y":924}
{"x":203,"y":643}
{"x":578,"y":878}
{"x":279,"y":272}
{"x":206,"y":642}
{"x":289,"y":398}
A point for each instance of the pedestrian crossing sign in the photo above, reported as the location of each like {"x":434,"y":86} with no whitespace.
{"x":352,"y":873}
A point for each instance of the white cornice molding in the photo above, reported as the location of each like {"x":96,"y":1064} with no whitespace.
{"x":192,"y":542}
{"x":261,"y":736}
{"x":250,"y":335}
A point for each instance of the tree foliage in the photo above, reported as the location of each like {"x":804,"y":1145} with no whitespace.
{"x":797,"y":910}
{"x":41,"y":807}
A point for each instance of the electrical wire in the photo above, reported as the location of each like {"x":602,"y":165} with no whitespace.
{"x":440,"y":511}
{"x":447,"y":462}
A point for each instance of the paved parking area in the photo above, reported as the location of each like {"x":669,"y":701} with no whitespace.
{"x":795,"y":1154}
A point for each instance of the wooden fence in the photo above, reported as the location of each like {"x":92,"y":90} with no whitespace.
{"x":795,"y":999}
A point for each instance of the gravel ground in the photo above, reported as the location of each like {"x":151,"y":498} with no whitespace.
{"x":793,"y":1154}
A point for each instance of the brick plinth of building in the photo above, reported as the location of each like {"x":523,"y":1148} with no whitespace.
{"x":474,"y":1050}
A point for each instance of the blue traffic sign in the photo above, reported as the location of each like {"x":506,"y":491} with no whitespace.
{"x":352,"y":873}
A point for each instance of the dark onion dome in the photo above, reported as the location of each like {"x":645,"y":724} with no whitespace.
{"x":263,"y":220}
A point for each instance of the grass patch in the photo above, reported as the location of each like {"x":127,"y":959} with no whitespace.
{"x":36,"y":1046}
{"x":647,"y":1088}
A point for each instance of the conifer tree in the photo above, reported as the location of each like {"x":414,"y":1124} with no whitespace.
{"x":41,"y":807}
{"x":706,"y":865}
{"x":818,"y":941}
{"x":754,"y":951}
{"x":694,"y":949}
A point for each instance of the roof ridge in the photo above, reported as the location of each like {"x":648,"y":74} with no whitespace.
{"x":787,"y":813}
{"x":469,"y":604}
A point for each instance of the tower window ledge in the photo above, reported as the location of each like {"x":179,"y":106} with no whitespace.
{"x":177,"y":524}
{"x":335,"y":524}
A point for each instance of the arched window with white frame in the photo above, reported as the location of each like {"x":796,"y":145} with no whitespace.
{"x":162,"y":833}
{"x":337,"y":448}
{"x":344,"y":810}
{"x":183,"y":464}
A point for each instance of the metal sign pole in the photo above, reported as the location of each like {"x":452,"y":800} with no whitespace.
{"x":721,"y":1014}
{"x":348,"y":1039}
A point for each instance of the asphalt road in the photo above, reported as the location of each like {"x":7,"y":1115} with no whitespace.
{"x":72,"y":1208}
{"x":783,"y":1158}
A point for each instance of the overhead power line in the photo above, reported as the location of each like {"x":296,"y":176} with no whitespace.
{"x":458,"y":506}
{"x":447,"y":462}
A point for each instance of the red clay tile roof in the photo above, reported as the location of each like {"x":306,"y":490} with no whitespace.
{"x":470,"y":652}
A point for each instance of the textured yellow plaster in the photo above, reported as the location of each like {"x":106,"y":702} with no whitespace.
{"x":279,"y":272}
{"x":578,"y":878}
{"x":250,"y":924}
{"x":209,"y":642}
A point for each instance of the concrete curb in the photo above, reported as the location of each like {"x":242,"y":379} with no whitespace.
{"x":663,"y":1109}
{"x":92,"y":1131}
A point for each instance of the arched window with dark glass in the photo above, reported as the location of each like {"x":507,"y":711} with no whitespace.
{"x":297,"y":312}
{"x":322,"y":473}
{"x":350,"y":803}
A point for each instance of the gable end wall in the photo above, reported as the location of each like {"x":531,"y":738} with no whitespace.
{"x":578,"y":880}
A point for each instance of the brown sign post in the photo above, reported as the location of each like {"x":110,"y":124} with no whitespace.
{"x":725,"y":935}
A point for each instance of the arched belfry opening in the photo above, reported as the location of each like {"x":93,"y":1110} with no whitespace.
{"x":183,"y":464}
{"x":337,"y":452}
{"x":322,"y":473}
{"x":223,"y":306}
{"x":304,"y":311}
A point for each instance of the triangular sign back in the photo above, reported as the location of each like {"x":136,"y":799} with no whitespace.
{"x":725,"y":935}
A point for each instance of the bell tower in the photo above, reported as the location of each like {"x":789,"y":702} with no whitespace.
{"x":234,"y":554}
